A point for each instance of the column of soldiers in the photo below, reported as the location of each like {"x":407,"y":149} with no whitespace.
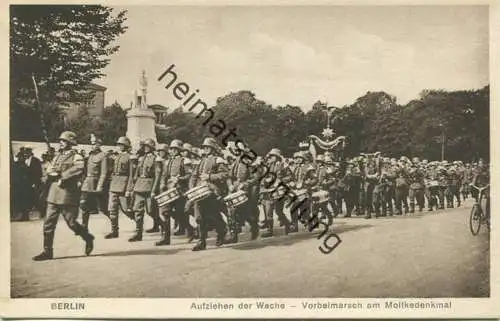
{"x":130,"y":183}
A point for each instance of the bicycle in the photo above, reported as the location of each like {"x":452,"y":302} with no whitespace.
{"x":478,"y":213}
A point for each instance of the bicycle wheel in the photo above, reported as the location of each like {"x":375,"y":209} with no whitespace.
{"x":475,"y":219}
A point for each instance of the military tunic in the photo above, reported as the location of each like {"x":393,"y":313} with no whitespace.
{"x":63,"y":195}
{"x":144,"y":185}
{"x":93,"y":194}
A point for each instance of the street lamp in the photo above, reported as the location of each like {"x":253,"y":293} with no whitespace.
{"x":442,"y":141}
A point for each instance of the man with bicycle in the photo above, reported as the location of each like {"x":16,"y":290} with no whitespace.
{"x":482,"y":179}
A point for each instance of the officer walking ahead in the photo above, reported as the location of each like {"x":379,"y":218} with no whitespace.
{"x":63,"y":197}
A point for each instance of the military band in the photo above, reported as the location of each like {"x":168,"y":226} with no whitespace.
{"x":195,"y":190}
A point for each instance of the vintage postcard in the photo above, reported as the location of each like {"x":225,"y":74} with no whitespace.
{"x":249,"y":159}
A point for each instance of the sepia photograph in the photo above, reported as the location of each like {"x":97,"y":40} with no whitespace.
{"x":250,"y":152}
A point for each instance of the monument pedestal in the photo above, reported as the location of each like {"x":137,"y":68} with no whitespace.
{"x":140,"y":125}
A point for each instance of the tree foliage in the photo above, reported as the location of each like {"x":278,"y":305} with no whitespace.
{"x":374,"y":122}
{"x":64,"y":46}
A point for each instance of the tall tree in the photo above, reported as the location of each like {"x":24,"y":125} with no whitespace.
{"x":64,"y":46}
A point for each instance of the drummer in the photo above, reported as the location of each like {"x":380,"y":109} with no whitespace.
{"x":303,"y":178}
{"x":275,"y":168}
{"x":215,"y":173}
{"x":173,"y":177}
{"x":240,"y":178}
{"x":322,"y":185}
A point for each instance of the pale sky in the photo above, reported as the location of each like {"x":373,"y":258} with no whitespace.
{"x":297,"y":55}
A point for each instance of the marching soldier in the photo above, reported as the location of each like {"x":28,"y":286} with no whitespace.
{"x":144,"y":186}
{"x":93,"y":198}
{"x":63,"y":196}
{"x":175,"y":176}
{"x":240,"y":178}
{"x":274,"y":162}
{"x":380,"y":190}
{"x":321,"y":174}
{"x":431,"y":187}
{"x":120,"y":175}
{"x":402,"y":188}
{"x":303,"y":179}
{"x":214,"y":173}
{"x":453,"y":188}
{"x":417,"y":187}
{"x":371,"y":179}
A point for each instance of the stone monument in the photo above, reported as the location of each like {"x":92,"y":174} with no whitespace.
{"x":140,"y":118}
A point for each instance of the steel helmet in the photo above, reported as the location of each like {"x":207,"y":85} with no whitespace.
{"x":187,"y":147}
{"x":210,"y":142}
{"x":162,"y":147}
{"x":123,"y":141}
{"x":149,"y":142}
{"x":69,"y":137}
{"x":176,"y":144}
{"x":275,"y":151}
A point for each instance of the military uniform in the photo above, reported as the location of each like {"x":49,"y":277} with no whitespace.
{"x":453,"y":188}
{"x":401,"y":190}
{"x":241,"y":178}
{"x":371,"y":180}
{"x":303,"y":178}
{"x":63,"y":197}
{"x":431,"y":192}
{"x":209,"y":209}
{"x":174,"y":175}
{"x":270,"y":205}
{"x":417,"y":188}
{"x":93,"y":197}
{"x":121,"y":172}
{"x":442,"y":177}
{"x":144,"y":186}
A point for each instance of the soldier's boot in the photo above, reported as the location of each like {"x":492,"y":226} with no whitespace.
{"x":221,"y":235}
{"x":85,"y":220}
{"x":164,"y":231}
{"x":138,"y":231}
{"x":254,"y":230}
{"x":202,"y":243}
{"x":156,"y":226}
{"x":420,"y":209}
{"x":406,"y":209}
{"x":269,"y":232}
{"x":114,"y":227}
{"x":368,"y":213}
{"x":412,"y":208}
{"x":182,"y":229}
{"x":165,"y":238}
{"x":89,"y":243}
{"x":233,"y":232}
{"x":458,"y":202}
{"x":191,"y":233}
{"x":47,"y":253}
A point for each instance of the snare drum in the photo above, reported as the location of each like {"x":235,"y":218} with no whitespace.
{"x":198,"y":193}
{"x":235,"y":199}
{"x":301,"y":194}
{"x":167,"y":197}
{"x":432,"y":183}
{"x":279,"y":193}
{"x":320,"y":196}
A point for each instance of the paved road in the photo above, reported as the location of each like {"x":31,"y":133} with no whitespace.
{"x":423,"y":255}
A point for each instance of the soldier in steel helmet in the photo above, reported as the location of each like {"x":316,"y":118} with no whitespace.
{"x":276,"y":171}
{"x":120,"y":175}
{"x":63,"y":197}
{"x":173,"y":175}
{"x":240,"y":178}
{"x":214,"y":173}
{"x":144,"y":187}
{"x":93,"y":198}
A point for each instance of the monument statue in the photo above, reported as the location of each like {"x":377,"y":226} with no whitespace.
{"x":140,"y":118}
